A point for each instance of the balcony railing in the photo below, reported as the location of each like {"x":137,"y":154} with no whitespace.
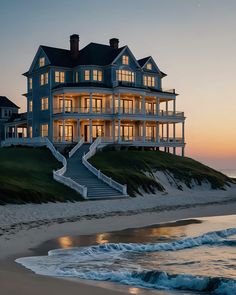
{"x":123,"y":111}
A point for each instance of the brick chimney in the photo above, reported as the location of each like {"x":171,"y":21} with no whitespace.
{"x":114,"y":43}
{"x":74,"y":46}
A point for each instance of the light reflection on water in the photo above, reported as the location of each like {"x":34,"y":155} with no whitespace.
{"x":205,"y":260}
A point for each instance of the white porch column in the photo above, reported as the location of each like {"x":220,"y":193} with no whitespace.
{"x":157,"y":105}
{"x":63,"y":103}
{"x":144,"y":131}
{"x":63,"y":130}
{"x":90,"y":102}
{"x":119,"y":103}
{"x":157,"y":132}
{"x":113,"y":104}
{"x":113,"y":136}
{"x":15,"y":129}
{"x":183,"y":131}
{"x":91,"y":130}
{"x":167,"y":131}
{"x":143,"y":105}
{"x":118,"y":130}
{"x":162,"y":130}
{"x":174,"y":131}
{"x":78,"y":129}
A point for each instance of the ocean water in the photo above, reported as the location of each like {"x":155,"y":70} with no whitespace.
{"x":195,"y":256}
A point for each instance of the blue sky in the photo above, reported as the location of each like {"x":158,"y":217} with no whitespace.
{"x":193,"y":41}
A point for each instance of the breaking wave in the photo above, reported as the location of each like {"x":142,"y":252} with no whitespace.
{"x":96,"y":263}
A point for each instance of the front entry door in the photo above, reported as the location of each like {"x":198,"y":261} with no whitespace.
{"x":97,"y":130}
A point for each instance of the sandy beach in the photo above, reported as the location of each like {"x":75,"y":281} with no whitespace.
{"x":24,"y":227}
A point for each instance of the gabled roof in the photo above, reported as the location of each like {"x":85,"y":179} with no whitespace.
{"x":92,"y":54}
{"x":142,"y":61}
{"x":7,"y":103}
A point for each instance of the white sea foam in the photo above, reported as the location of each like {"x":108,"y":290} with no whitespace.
{"x":96,"y":262}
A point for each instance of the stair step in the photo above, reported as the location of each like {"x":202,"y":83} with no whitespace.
{"x":97,"y":189}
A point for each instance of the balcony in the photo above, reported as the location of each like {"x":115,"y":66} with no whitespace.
{"x":123,"y":111}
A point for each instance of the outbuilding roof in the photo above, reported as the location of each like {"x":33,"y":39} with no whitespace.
{"x":7,"y":103}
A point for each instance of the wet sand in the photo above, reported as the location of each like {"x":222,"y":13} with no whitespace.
{"x":16,"y":280}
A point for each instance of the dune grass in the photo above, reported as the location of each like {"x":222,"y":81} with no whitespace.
{"x":26,"y":177}
{"x":135,"y":168}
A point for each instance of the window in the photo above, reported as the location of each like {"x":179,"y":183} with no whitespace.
{"x":125,"y":60}
{"x":42,"y":62}
{"x":30,"y":83}
{"x":44,"y":130}
{"x":44,"y":79}
{"x":30,"y":105}
{"x":59,"y":77}
{"x":44,"y":103}
{"x":76,"y":77}
{"x":30,"y":132}
{"x":125,"y":76}
{"x":149,"y":66}
{"x":86,"y":75}
{"x":149,"y":81}
{"x":97,"y":75}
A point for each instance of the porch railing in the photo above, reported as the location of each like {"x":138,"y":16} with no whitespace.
{"x":108,"y":180}
{"x":58,"y":175}
{"x":76,"y":147}
{"x":123,"y":111}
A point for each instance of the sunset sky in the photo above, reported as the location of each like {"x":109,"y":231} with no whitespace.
{"x":193,"y":41}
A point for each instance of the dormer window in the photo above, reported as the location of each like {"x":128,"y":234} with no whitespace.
{"x":87,"y":75}
{"x":97,"y":75}
{"x":149,"y":66}
{"x":42,"y":62}
{"x":59,"y":77}
{"x":125,"y":60}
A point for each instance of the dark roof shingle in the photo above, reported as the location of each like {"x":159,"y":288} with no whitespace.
{"x":7,"y":103}
{"x":92,"y":54}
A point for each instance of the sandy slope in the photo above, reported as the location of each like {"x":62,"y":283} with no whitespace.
{"x":25,"y":226}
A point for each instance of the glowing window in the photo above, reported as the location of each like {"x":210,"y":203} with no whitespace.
{"x":44,"y":130}
{"x":125,"y":76}
{"x":30,"y":105}
{"x":149,"y":81}
{"x":125,"y":60}
{"x":44,"y":79}
{"x":149,"y":66}
{"x":87,"y":75}
{"x":30,"y":83}
{"x":42,"y":62}
{"x":59,"y":77}
{"x":97,"y":75}
{"x":30,"y":132}
{"x":44,"y":103}
{"x":76,"y":77}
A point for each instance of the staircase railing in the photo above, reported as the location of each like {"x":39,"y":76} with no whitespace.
{"x":108,"y":180}
{"x":76,"y":147}
{"x":58,"y":174}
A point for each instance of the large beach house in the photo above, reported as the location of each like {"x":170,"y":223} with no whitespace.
{"x":101,"y":91}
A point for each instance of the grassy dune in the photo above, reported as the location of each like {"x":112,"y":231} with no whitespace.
{"x":26,"y":177}
{"x":129,"y":167}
